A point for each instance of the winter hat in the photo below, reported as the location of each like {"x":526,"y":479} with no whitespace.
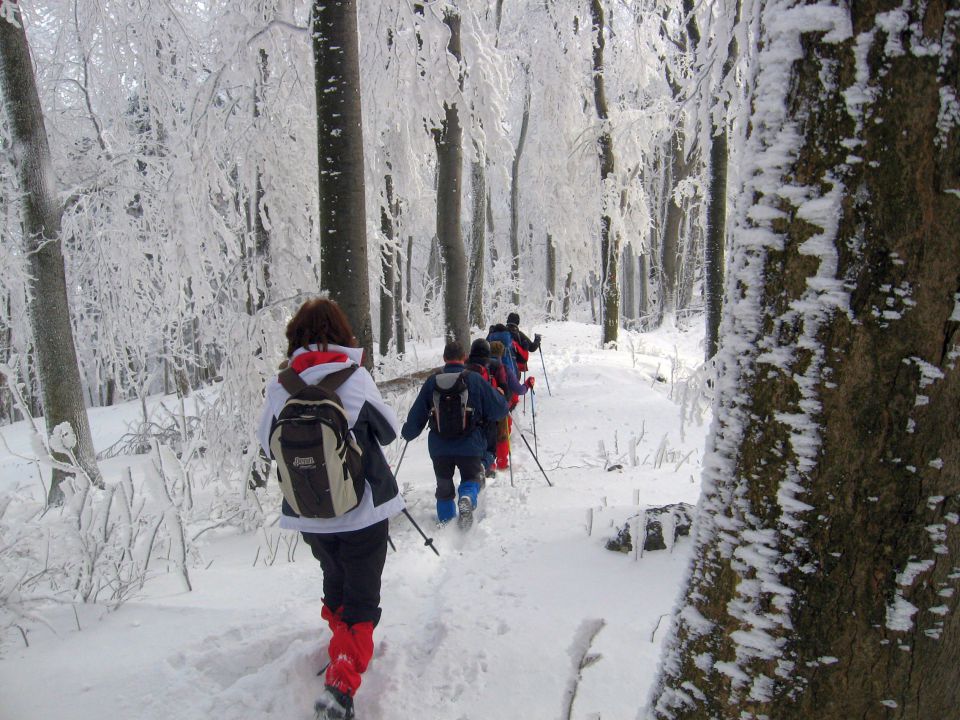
{"x":480,"y":349}
{"x":513,"y":319}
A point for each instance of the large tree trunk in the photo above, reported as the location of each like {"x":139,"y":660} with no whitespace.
{"x":515,"y":204}
{"x":343,"y":236}
{"x":450,"y":177}
{"x":478,"y":254}
{"x":609,"y":241}
{"x":48,"y":309}
{"x":715,"y":240}
{"x":825,"y":579}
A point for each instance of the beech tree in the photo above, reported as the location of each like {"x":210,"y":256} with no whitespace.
{"x":343,"y":237}
{"x":609,"y":248}
{"x":824,"y":583}
{"x":41,"y":210}
{"x":449,"y":141}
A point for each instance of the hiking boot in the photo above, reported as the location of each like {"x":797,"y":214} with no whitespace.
{"x":490,"y":472}
{"x":465,"y":506}
{"x":333,"y":705}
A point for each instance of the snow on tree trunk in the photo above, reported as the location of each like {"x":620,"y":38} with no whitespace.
{"x":825,"y":577}
{"x":343,"y":239}
{"x":716,"y":229}
{"x":48,"y":303}
{"x":515,"y":203}
{"x":449,"y":181}
{"x":478,"y":254}
{"x":609,"y":240}
{"x":388,"y":260}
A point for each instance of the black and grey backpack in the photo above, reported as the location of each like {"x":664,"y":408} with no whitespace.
{"x":451,"y":415}
{"x":319,"y":463}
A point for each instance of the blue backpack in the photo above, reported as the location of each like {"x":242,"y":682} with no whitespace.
{"x":499,"y":333}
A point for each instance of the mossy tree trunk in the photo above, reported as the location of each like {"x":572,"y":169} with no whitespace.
{"x":825,"y":582}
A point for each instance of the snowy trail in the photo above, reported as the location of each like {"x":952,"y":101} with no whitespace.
{"x":495,"y":627}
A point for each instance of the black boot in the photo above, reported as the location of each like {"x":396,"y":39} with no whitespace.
{"x":333,"y":705}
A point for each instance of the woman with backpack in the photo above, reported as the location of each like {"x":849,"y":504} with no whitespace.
{"x":349,"y":541}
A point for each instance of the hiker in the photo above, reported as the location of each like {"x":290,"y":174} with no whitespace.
{"x":479,"y":362}
{"x":456,"y":403}
{"x":352,"y":545}
{"x":522,"y":345}
{"x":514,"y":388}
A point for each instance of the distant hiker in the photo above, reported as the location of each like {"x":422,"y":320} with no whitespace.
{"x":456,"y":403}
{"x":341,"y":501}
{"x":514,"y":389}
{"x":522,"y":345}
{"x":479,"y":362}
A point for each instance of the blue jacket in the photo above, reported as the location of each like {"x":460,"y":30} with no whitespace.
{"x":486,"y":402}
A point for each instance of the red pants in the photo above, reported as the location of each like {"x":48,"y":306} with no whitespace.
{"x":503,"y":447}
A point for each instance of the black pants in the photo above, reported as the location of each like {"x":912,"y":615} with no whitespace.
{"x":352,"y":565}
{"x":471,"y":468}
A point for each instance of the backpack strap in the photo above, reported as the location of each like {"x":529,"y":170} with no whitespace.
{"x":334,"y":380}
{"x":292,"y":382}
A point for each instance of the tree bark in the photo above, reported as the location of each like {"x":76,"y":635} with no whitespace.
{"x":48,"y":301}
{"x":825,"y":580}
{"x":515,"y":204}
{"x":343,"y":238}
{"x":715,"y":241}
{"x":551,"y":277}
{"x":388,"y":260}
{"x":478,"y":255}
{"x":448,"y":140}
{"x":609,"y":243}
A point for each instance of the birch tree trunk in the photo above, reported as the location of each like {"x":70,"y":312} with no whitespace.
{"x":343,"y":237}
{"x":609,"y":243}
{"x":448,"y":140}
{"x":825,"y":580}
{"x":48,"y":301}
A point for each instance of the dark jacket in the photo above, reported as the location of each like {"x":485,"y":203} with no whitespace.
{"x":487,"y":405}
{"x":523,"y":341}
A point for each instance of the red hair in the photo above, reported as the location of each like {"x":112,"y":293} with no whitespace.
{"x":319,"y":321}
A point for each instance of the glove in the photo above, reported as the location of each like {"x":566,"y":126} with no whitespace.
{"x":536,"y":338}
{"x":530,"y":382}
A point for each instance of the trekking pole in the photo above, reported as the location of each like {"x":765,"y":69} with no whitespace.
{"x":543,"y":364}
{"x":400,"y":461}
{"x":427,"y":541}
{"x":533,"y":409}
{"x":535,"y":458}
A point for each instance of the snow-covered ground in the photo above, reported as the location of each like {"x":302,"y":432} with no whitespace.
{"x":516,"y":618}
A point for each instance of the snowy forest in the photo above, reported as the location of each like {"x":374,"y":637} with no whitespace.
{"x":735,"y":222}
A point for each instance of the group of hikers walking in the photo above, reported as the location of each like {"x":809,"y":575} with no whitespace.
{"x":467,"y":406}
{"x":324,"y":422}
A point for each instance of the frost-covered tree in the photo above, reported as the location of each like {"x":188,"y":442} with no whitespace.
{"x":825,"y":577}
{"x":343,"y":231}
{"x":449,"y":141}
{"x":41,"y":210}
